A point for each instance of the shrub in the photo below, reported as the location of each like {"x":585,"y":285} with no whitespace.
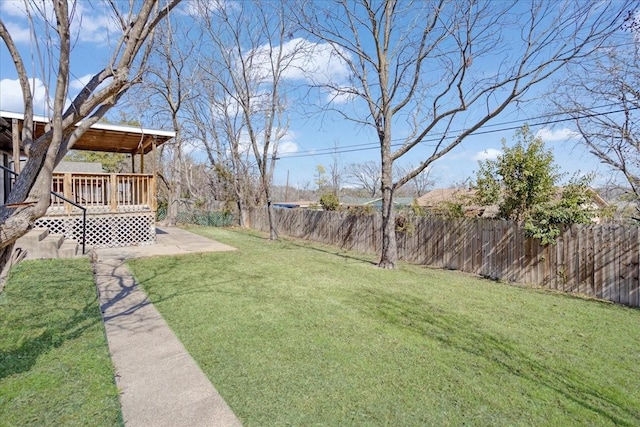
{"x":450,"y":210}
{"x":360,"y":210}
{"x":544,"y":221}
{"x":404,"y":224}
{"x":329,"y":202}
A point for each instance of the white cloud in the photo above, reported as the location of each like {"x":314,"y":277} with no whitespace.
{"x":488,"y":154}
{"x":79,"y":83}
{"x":341,"y":95}
{"x":88,"y":24}
{"x":18,"y":34}
{"x":306,"y":61}
{"x":316,"y":62}
{"x":205,"y":7}
{"x":13,"y":8}
{"x":94,"y":25}
{"x":552,"y":135}
{"x":11,"y":96}
{"x":319,"y":64}
{"x":229,"y":106}
{"x":286,"y":144}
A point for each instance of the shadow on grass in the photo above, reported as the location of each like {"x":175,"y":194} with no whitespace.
{"x":460,"y":333}
{"x":254,"y":235}
{"x":166,"y":273}
{"x":53,"y":335}
{"x":242,"y":233}
{"x":313,"y":246}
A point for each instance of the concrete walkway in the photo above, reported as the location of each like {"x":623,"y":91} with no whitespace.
{"x":160,"y":384}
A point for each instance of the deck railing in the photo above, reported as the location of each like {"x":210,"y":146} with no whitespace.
{"x":9,"y":178}
{"x":104,"y":192}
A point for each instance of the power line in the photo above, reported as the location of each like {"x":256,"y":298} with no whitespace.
{"x":441,"y":135}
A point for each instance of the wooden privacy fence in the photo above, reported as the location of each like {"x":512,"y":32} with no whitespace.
{"x":601,"y":261}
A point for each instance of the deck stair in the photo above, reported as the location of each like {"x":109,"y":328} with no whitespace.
{"x":40,"y":244}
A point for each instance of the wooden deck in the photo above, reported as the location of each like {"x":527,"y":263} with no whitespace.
{"x":103,"y":193}
{"x":120,"y":208}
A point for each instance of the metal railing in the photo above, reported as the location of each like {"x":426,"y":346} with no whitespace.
{"x":60,"y":196}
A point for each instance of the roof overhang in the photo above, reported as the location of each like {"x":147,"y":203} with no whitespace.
{"x":104,"y":137}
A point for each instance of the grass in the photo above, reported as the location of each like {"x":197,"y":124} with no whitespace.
{"x":55,"y":368}
{"x":294,"y":333}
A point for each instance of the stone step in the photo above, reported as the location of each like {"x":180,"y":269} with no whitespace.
{"x":30,"y":242}
{"x":39,"y":243}
{"x":68,"y":249}
{"x":48,"y":247}
{"x":33,"y":236}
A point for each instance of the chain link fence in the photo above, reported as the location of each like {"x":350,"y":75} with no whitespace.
{"x":200,"y":217}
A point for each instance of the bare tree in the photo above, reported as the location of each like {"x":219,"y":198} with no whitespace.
{"x":215,"y":121}
{"x":251,"y":50}
{"x":365,"y":175}
{"x":29,"y":197}
{"x":169,"y":86}
{"x":439,"y":70}
{"x":420,"y":183}
{"x":603,"y":98}
{"x":337,"y":171}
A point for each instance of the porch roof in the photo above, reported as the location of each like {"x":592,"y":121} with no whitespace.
{"x":100,"y":137}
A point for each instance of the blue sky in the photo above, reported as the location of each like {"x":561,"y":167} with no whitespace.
{"x":311,"y":139}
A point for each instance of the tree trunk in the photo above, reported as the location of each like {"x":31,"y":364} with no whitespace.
{"x":242,"y":210}
{"x":7,"y":261}
{"x":239,"y":190}
{"x":244,"y":218}
{"x":273,"y":233}
{"x":389,"y":254}
{"x":175,"y":192}
{"x":172,"y":209}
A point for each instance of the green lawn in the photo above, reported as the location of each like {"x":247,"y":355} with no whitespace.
{"x":294,"y":333}
{"x":55,"y":368}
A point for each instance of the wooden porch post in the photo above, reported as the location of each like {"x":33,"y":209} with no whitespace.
{"x":15,"y":134}
{"x":67,"y":191}
{"x":133,"y":162}
{"x":154,"y":160}
{"x":153,"y":191}
{"x":113,"y":183}
{"x":6,"y":179}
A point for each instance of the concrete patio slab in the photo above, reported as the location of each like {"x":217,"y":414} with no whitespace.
{"x":160,"y":384}
{"x":169,"y":241}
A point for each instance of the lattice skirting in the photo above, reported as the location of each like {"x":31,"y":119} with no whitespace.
{"x":105,"y":231}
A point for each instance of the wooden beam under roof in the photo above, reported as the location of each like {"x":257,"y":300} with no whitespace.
{"x":103,"y":137}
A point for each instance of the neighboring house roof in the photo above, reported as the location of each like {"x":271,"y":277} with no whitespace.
{"x":597,"y":199}
{"x":406,"y":201}
{"x":297,"y":204}
{"x":354,"y":201}
{"x":466,"y":197}
{"x":82,"y":167}
{"x":438,"y":196}
{"x":435,"y":199}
